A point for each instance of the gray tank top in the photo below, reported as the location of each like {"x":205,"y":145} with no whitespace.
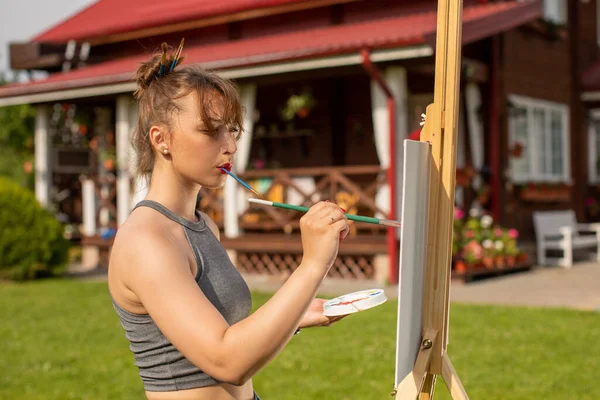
{"x":161,"y":366}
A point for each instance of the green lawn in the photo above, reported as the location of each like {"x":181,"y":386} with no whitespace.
{"x":60,"y":339}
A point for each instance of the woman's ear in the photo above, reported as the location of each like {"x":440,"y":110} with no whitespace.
{"x":158,"y":138}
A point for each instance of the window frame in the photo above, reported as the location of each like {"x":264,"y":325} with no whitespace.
{"x":555,"y":11}
{"x":593,"y":136}
{"x":534,"y":174}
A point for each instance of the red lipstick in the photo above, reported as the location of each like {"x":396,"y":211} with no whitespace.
{"x":226,"y":166}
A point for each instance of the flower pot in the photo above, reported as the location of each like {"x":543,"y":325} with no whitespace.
{"x":303,"y":112}
{"x":500,"y":262}
{"x":511,"y":261}
{"x":522,"y":258}
{"x":460,"y":266}
{"x":488,"y":262}
{"x":109,"y":164}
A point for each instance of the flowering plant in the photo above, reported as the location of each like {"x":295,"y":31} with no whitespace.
{"x":478,"y":236}
{"x":472,"y":252}
{"x":592,"y":206}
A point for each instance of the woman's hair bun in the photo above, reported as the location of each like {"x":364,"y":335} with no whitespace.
{"x":149,"y":71}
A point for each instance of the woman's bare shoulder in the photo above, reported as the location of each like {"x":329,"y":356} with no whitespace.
{"x":143,"y":237}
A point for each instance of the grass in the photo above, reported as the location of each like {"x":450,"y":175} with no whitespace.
{"x":60,"y":339}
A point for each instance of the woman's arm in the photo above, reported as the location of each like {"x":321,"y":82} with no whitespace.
{"x":161,"y":278}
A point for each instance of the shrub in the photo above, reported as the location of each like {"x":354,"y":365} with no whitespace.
{"x":32,"y":244}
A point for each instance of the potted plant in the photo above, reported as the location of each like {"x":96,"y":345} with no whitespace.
{"x":517,"y":150}
{"x":511,"y":248}
{"x":109,"y":160}
{"x":488,"y":254}
{"x":457,"y":245}
{"x":298,"y":105}
{"x":498,"y":236}
{"x":472,"y":254}
{"x":592,"y":208}
{"x":522,"y":258}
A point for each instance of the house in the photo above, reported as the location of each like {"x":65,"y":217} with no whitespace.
{"x":365,"y":71}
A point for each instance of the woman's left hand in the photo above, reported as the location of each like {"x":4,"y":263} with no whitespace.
{"x":314,"y":315}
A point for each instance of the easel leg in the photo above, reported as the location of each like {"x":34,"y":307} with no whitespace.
{"x":452,"y":380}
{"x":412,"y":384}
{"x":428,"y":387}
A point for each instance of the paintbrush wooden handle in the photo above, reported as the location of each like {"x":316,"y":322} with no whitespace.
{"x":352,"y":217}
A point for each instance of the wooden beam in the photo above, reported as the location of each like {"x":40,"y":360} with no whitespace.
{"x":441,"y":132}
{"x":443,"y":117}
{"x":212,"y":21}
{"x":35,"y":56}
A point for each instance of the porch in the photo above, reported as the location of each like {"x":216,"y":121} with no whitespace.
{"x":337,"y":150}
{"x":344,"y":143}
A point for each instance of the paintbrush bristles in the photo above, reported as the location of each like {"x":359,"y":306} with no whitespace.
{"x":241,"y":182}
{"x":388,"y":222}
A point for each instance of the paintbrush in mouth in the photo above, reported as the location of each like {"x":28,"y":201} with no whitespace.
{"x":226,"y":170}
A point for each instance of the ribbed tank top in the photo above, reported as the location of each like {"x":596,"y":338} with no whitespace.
{"x":161,"y":366}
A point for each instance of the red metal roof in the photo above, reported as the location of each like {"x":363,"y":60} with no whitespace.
{"x":120,"y":16}
{"x":479,"y":21}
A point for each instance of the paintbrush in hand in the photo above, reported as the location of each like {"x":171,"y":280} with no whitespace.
{"x":352,"y":217}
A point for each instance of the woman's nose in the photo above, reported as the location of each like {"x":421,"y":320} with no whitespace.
{"x":229,"y":145}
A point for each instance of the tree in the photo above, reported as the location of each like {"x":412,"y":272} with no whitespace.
{"x":17,"y":125}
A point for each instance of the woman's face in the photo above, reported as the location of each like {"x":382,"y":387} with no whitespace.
{"x":196,"y":151}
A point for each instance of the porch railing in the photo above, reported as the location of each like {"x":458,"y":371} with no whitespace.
{"x":351,"y":187}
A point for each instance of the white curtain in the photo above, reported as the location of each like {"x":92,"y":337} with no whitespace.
{"x":395,"y":77}
{"x":140,"y":185}
{"x":473,"y":104}
{"x":248,"y":100}
{"x":234,"y":195}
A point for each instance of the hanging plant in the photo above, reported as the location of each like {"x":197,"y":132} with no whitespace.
{"x":298,"y":105}
{"x":517,"y":150}
{"x":109,"y":160}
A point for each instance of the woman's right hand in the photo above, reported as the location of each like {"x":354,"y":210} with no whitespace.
{"x":322,"y":228}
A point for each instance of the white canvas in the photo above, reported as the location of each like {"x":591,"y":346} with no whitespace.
{"x":413,"y":239}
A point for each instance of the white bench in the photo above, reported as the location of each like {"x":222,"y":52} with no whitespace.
{"x":559,"y":230}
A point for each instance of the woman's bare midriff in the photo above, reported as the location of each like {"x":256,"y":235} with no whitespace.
{"x":217,"y":392}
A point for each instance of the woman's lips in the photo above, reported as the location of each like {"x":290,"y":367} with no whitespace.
{"x":224,"y":166}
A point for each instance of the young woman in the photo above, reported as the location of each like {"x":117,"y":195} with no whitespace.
{"x":183,"y":305}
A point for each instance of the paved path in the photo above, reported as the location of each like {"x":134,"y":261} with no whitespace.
{"x":576,"y":288}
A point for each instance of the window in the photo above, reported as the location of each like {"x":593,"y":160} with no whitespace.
{"x":541,"y":128}
{"x":594,"y":147}
{"x":555,"y":11}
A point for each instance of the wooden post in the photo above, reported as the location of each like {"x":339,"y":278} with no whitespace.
{"x":123,"y":130}
{"x":43,"y":176}
{"x":90,"y":254}
{"x":441,"y":132}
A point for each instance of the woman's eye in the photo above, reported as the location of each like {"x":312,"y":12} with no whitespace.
{"x":236,"y":132}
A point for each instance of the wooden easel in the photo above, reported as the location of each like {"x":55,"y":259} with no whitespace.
{"x":440,"y":131}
